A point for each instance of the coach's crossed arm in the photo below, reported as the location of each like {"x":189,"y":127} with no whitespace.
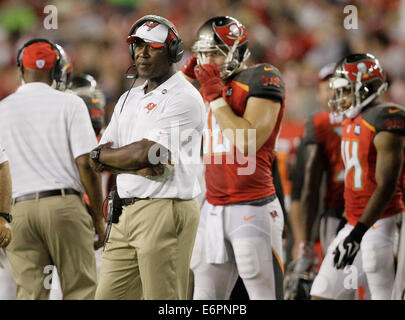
{"x":5,"y":204}
{"x":132,"y":158}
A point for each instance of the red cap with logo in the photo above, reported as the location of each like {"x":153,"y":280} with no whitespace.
{"x":39,"y":56}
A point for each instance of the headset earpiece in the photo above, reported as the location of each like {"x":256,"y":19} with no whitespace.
{"x":56,"y":71}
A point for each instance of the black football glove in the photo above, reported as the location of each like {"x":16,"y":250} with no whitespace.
{"x":347,"y":249}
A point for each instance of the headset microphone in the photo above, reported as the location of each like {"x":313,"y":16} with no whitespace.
{"x":131,"y":75}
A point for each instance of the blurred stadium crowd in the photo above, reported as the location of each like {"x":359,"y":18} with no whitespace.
{"x":297,"y":36}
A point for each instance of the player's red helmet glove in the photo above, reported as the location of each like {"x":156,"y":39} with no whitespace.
{"x":210,"y":80}
{"x":188,"y":67}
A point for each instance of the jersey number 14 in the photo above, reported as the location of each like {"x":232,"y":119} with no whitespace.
{"x":350,"y":151}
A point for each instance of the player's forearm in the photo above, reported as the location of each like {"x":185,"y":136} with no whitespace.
{"x":387,"y":176}
{"x":378,"y":202}
{"x":310,"y":189}
{"x":295,"y":218}
{"x":390,"y":153}
{"x":237,"y":130}
{"x":5,"y":189}
{"x":309,"y":209}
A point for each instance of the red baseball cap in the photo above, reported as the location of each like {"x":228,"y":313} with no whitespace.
{"x":39,"y":56}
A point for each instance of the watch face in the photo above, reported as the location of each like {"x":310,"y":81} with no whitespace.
{"x":94,"y":154}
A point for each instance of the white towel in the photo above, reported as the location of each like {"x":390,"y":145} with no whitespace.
{"x":214,"y":236}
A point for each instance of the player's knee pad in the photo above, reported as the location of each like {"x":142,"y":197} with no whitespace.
{"x":247,"y":257}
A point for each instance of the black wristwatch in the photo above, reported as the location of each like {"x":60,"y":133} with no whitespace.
{"x":6,"y":216}
{"x":95,"y":154}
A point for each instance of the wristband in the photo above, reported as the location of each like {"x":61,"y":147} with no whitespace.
{"x":358,"y":231}
{"x":218,"y":103}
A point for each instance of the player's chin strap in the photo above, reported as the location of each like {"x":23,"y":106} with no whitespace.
{"x":354,"y":111}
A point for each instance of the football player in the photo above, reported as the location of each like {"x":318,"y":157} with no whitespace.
{"x":372,"y":149}
{"x":85,"y":86}
{"x":241,"y":224}
{"x":322,"y":155}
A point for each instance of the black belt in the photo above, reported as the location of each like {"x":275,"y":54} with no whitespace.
{"x":44,"y":194}
{"x":130,"y":201}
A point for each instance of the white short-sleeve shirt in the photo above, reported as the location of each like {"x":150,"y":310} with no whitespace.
{"x":43,"y":131}
{"x":172,"y":115}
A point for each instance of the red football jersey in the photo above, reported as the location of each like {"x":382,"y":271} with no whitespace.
{"x":359,"y":155}
{"x":232,"y":177}
{"x":325,"y":130}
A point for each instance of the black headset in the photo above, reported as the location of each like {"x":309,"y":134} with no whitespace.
{"x":56,"y":72}
{"x":176,"y":46}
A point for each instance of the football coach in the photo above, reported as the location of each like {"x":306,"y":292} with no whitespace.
{"x":148,"y":251}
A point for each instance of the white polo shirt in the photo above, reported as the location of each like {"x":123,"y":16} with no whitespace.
{"x":172,"y":115}
{"x":43,"y":131}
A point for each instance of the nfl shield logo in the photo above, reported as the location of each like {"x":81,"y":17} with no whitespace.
{"x":40,"y":63}
{"x":357,"y":129}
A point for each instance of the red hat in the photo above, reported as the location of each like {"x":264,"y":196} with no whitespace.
{"x":39,"y":56}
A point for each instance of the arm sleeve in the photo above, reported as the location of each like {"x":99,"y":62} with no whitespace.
{"x":266,"y":82}
{"x":391,"y":119}
{"x":81,"y":134}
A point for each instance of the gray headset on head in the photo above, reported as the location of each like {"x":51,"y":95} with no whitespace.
{"x":175,"y":47}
